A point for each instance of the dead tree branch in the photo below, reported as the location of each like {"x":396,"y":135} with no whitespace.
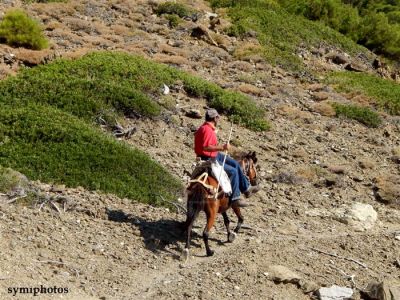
{"x":341,"y":257}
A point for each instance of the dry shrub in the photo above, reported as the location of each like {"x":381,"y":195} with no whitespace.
{"x":308,"y":174}
{"x":221,"y":40}
{"x":299,"y":153}
{"x":116,"y":39}
{"x":241,"y":66}
{"x":77,"y":53}
{"x":198,"y":5}
{"x":121,"y":30}
{"x":101,"y":28}
{"x":366,"y":164}
{"x":244,"y":50}
{"x":324,"y":109}
{"x":32,"y":57}
{"x":250,"y":89}
{"x":97,"y":41}
{"x":134,"y":49}
{"x":77,"y":24}
{"x":53,"y":25}
{"x":171,"y":59}
{"x":293,"y":113}
{"x":396,"y":151}
{"x":387,"y":189}
{"x":167,"y":49}
{"x":54,"y":9}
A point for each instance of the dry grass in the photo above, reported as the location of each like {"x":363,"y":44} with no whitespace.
{"x":248,"y":49}
{"x":122,"y":30}
{"x":171,"y":59}
{"x":54,"y":25}
{"x":97,"y":41}
{"x":54,"y":9}
{"x":308,"y":174}
{"x":396,"y":151}
{"x":366,"y":164}
{"x":299,"y":153}
{"x":359,"y":98}
{"x":241,"y":66}
{"x":324,"y":109}
{"x":250,"y":89}
{"x":387,"y":189}
{"x":32,"y":57}
{"x":167,"y":49}
{"x":221,"y":40}
{"x":78,"y":53}
{"x":293,"y":113}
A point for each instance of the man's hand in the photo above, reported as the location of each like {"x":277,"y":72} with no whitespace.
{"x":226,"y":147}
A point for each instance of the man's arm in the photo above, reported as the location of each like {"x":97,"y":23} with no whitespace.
{"x":216,"y":148}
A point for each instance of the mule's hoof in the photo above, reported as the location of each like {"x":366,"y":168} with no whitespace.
{"x":231,"y":237}
{"x":185,"y":254}
{"x":210,"y":253}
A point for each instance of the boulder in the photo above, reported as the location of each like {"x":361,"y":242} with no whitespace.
{"x":387,"y":189}
{"x":359,"y":215}
{"x":334,"y":293}
{"x":337,"y":58}
{"x":385,"y":290}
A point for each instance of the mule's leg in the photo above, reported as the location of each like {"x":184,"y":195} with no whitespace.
{"x":211,"y":215}
{"x":231,"y":235}
{"x":240,"y":218}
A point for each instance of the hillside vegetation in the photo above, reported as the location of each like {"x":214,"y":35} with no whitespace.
{"x":48,"y":115}
{"x":284,"y":25}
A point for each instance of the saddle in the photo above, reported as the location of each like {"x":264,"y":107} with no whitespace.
{"x":214,"y":169}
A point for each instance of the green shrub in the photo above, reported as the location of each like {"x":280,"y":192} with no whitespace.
{"x":385,"y":92}
{"x":11,"y":180}
{"x":361,"y":114}
{"x":53,"y":146}
{"x":173,"y":8}
{"x":280,"y":32}
{"x":173,"y":20}
{"x":111,"y":84}
{"x":19,"y":30}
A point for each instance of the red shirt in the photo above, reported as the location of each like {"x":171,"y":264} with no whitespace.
{"x":205,"y":136}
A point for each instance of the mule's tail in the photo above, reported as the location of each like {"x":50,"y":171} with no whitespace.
{"x":195,"y":204}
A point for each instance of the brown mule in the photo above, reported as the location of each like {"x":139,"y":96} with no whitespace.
{"x":200,"y":198}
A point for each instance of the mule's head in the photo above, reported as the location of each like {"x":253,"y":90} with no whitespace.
{"x":248,"y":164}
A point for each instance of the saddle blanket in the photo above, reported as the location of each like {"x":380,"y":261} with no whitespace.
{"x":219,"y":173}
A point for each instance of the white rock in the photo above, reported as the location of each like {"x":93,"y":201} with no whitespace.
{"x":166,"y":90}
{"x":359,"y":215}
{"x":334,"y":293}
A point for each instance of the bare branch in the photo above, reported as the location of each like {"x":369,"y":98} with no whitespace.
{"x":177,"y":205}
{"x":347,"y":276}
{"x":50,"y":262}
{"x":15,"y":199}
{"x":341,"y":257}
{"x":55,"y":206}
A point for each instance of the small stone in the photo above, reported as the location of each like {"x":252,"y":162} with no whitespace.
{"x":283,"y":274}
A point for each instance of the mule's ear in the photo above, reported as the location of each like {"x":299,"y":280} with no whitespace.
{"x":254,"y":157}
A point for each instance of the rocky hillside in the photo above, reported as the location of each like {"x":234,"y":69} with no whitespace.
{"x":328,"y":213}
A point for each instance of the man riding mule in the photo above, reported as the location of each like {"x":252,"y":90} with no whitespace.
{"x":204,"y":192}
{"x":206,"y":148}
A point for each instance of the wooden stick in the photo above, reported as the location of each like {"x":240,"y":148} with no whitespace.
{"x":341,"y":257}
{"x":50,"y":262}
{"x":177,"y":205}
{"x":348,"y":277}
{"x":56,"y":207}
{"x":16,"y":198}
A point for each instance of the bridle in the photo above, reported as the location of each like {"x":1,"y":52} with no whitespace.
{"x":246,"y":166}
